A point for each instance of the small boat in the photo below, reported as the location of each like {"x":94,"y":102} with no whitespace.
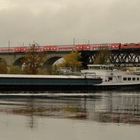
{"x":113,"y":78}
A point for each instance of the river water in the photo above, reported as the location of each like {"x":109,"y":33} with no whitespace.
{"x":93,"y":116}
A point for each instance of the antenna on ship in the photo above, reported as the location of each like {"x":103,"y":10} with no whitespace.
{"x":73,"y":41}
{"x":9,"y":44}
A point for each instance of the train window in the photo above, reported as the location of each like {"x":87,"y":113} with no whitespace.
{"x":138,"y":78}
{"x":125,"y":44}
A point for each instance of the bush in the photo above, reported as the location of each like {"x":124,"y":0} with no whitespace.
{"x":15,"y":70}
{"x":3,"y":67}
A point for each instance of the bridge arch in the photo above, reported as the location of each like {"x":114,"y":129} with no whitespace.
{"x":19,"y":61}
{"x":50,"y":61}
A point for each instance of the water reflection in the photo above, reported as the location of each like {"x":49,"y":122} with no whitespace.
{"x":107,"y":107}
{"x":120,"y":109}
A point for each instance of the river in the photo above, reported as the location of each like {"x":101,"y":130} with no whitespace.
{"x":49,"y":116}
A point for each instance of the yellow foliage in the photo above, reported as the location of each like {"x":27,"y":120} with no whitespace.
{"x":72,"y":61}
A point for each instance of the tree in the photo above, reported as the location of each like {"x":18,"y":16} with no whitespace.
{"x":33,"y":60}
{"x":102,"y":57}
{"x":72,"y":61}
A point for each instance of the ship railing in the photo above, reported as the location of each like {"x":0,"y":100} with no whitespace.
{"x":90,"y":75}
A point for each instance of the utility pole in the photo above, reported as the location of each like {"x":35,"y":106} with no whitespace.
{"x":9,"y":43}
{"x":73,"y":41}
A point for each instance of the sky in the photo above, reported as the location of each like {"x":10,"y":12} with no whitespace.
{"x":53,"y":22}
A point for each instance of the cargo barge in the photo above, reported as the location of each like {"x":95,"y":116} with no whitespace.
{"x":15,"y":82}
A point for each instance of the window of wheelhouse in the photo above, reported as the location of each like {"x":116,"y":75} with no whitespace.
{"x":129,"y":79}
{"x":133,"y":78}
{"x":110,"y":78}
{"x":124,"y":78}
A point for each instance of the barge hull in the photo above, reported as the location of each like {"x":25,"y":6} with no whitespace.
{"x":69,"y":88}
{"x":46,"y":84}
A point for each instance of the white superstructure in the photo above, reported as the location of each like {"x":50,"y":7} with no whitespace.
{"x":111,"y":76}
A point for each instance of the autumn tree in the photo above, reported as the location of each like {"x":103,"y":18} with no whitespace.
{"x":102,"y":57}
{"x":33,"y":60}
{"x":72,"y":61}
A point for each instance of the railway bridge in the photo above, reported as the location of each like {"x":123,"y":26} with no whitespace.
{"x":127,"y":54}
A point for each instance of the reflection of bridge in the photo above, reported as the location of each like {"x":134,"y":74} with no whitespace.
{"x":121,"y":54}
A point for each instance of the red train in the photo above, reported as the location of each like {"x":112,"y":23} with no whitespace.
{"x":79,"y":47}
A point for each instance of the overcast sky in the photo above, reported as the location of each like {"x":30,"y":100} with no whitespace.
{"x":60,"y":21}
